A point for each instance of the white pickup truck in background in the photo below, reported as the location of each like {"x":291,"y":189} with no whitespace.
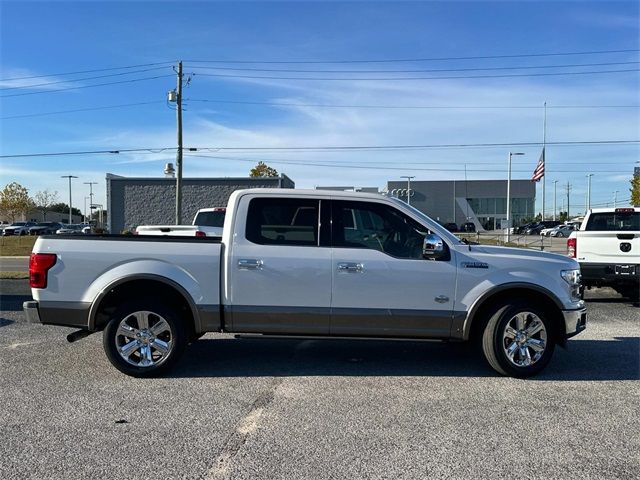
{"x":607,"y":246}
{"x":307,"y":263}
{"x":208,"y":222}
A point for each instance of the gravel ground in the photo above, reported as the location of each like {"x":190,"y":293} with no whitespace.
{"x":252,"y":408}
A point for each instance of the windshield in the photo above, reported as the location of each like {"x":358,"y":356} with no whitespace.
{"x":210,"y":219}
{"x":613,"y":221}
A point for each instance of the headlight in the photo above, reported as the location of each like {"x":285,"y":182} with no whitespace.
{"x":572,"y":277}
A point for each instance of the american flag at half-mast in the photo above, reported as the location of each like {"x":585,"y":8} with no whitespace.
{"x":538,"y":173}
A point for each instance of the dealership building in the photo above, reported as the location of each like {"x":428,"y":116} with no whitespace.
{"x":483,"y":202}
{"x":133,"y":201}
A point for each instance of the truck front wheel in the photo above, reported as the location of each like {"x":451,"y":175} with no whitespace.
{"x":517,"y":340}
{"x":144,"y":338}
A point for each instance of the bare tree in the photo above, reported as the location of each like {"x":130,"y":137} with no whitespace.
{"x":44,"y":200}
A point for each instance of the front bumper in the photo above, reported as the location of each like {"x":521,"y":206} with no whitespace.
{"x":575,"y":321}
{"x":31,"y":311}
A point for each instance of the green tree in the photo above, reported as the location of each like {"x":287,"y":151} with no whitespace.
{"x":635,"y":190}
{"x":64,"y":208}
{"x":263,"y":170}
{"x":15,"y":200}
{"x":44,"y":200}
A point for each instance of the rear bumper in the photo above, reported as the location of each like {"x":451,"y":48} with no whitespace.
{"x":31,"y":311}
{"x":65,"y":314}
{"x":600,"y":274}
{"x":575,"y":321}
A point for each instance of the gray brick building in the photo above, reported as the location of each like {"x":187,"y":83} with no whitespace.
{"x":133,"y":201}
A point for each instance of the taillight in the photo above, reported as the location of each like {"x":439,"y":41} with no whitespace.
{"x":39,"y":265}
{"x":200,"y":233}
{"x":572,"y":246}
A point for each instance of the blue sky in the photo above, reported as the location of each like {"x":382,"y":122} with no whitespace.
{"x":51,"y":39}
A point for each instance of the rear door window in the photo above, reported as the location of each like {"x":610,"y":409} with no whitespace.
{"x":283,"y":221}
{"x":613,"y":221}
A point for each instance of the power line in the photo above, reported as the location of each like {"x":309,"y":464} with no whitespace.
{"x":401,"y":60}
{"x":85,"y":86}
{"x":512,"y":75}
{"x":84,"y":71}
{"x":420,"y":147}
{"x":28,"y":115}
{"x":434,"y":107}
{"x":35,"y":85}
{"x":369,"y":167}
{"x":421,"y":70}
{"x":90,"y":152}
{"x":327,"y":148}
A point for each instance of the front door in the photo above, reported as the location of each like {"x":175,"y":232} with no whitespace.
{"x":381,"y":284}
{"x":279,"y":276}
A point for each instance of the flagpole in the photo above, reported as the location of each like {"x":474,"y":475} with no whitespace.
{"x":544,"y":156}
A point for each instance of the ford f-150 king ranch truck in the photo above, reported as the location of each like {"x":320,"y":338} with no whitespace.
{"x":607,"y":246}
{"x":307,"y":263}
{"x":208,"y":222}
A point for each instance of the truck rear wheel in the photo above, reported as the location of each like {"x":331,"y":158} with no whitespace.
{"x":144,"y":338}
{"x":517,"y":340}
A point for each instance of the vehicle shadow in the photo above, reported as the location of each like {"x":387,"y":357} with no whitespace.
{"x":13,"y":303}
{"x":584,"y":360}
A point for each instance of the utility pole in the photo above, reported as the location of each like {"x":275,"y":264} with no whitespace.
{"x":91,"y":184}
{"x":179,"y":152}
{"x":568,"y":190}
{"x":588,"y":193}
{"x":69,"y":177}
{"x":615,"y":199}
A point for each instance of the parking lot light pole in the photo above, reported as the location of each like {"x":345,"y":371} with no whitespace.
{"x":588,"y":192}
{"x":555,"y":184}
{"x":509,"y":195}
{"x":69,"y":177}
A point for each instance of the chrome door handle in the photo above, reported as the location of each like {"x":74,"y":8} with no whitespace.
{"x":350,"y":267}
{"x":250,"y":264}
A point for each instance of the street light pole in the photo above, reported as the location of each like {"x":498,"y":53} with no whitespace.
{"x":91,"y":184}
{"x":509,"y":194}
{"x":408,"y":177}
{"x":555,"y":184}
{"x":69,"y":177}
{"x":588,"y":192}
{"x":615,"y":199}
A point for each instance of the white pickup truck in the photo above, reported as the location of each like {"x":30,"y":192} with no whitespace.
{"x":208,"y":222}
{"x":307,"y":263}
{"x":607,"y":246}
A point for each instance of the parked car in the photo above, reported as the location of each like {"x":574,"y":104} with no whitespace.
{"x":45,"y":228}
{"x":562,"y":231}
{"x":72,"y":229}
{"x":18,"y":228}
{"x":452,"y":227}
{"x":468,"y":227}
{"x":307,"y":263}
{"x":539,"y":226}
{"x":3,"y":225}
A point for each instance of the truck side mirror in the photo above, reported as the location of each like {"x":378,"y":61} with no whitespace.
{"x":433,"y":247}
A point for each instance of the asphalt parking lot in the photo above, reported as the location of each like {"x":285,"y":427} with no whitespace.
{"x":251,"y":408}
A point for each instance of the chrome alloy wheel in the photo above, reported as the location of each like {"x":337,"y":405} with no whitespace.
{"x":524,"y":339}
{"x":144,"y":339}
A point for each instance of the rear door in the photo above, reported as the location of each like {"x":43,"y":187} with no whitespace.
{"x":381,"y":284}
{"x":279,"y":277}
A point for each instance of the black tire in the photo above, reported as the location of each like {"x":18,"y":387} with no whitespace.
{"x":560,"y":234}
{"x":158,"y":347}
{"x":632,"y":292}
{"x":496,"y":343}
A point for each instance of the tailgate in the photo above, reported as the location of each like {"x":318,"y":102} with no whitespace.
{"x":622,"y":247}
